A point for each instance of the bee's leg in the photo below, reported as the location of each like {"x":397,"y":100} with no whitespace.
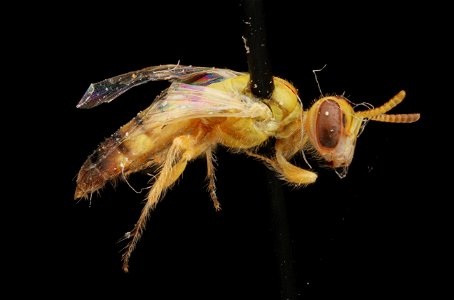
{"x":268,"y":161}
{"x":212,"y":179}
{"x":291,"y":173}
{"x":182,"y":150}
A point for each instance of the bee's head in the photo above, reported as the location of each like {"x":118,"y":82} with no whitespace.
{"x":333,"y":126}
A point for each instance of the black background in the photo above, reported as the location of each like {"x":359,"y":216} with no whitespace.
{"x":376,"y":232}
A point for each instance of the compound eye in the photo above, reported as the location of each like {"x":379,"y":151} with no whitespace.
{"x":329,"y":124}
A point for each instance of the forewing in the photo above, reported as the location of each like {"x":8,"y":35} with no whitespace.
{"x":107,"y":90}
{"x":182,"y":102}
{"x":186,"y":101}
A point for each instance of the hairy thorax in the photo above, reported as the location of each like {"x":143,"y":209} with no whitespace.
{"x":282,"y":110}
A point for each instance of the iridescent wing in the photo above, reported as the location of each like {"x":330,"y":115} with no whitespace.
{"x":182,"y":102}
{"x":107,"y":90}
{"x":187,"y":101}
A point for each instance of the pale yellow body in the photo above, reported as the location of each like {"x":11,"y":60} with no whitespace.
{"x":170,"y":144}
{"x":174,"y":145}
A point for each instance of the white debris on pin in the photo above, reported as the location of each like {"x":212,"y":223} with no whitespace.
{"x":245,"y":45}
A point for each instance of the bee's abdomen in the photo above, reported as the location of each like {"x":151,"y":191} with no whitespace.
{"x":105,"y":164}
{"x":132,"y":148}
{"x":120,"y":154}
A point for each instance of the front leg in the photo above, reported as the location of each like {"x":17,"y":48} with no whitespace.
{"x":285,"y":149}
{"x":285,"y":169}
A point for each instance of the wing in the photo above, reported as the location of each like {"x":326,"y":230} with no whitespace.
{"x":107,"y":90}
{"x":186,"y":101}
{"x":182,"y":102}
{"x":178,"y":103}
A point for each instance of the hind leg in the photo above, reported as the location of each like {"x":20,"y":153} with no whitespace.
{"x":212,"y":179}
{"x":182,"y":150}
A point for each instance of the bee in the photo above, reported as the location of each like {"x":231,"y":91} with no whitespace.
{"x":205,"y":107}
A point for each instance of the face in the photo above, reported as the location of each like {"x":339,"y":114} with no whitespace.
{"x":333,"y":128}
